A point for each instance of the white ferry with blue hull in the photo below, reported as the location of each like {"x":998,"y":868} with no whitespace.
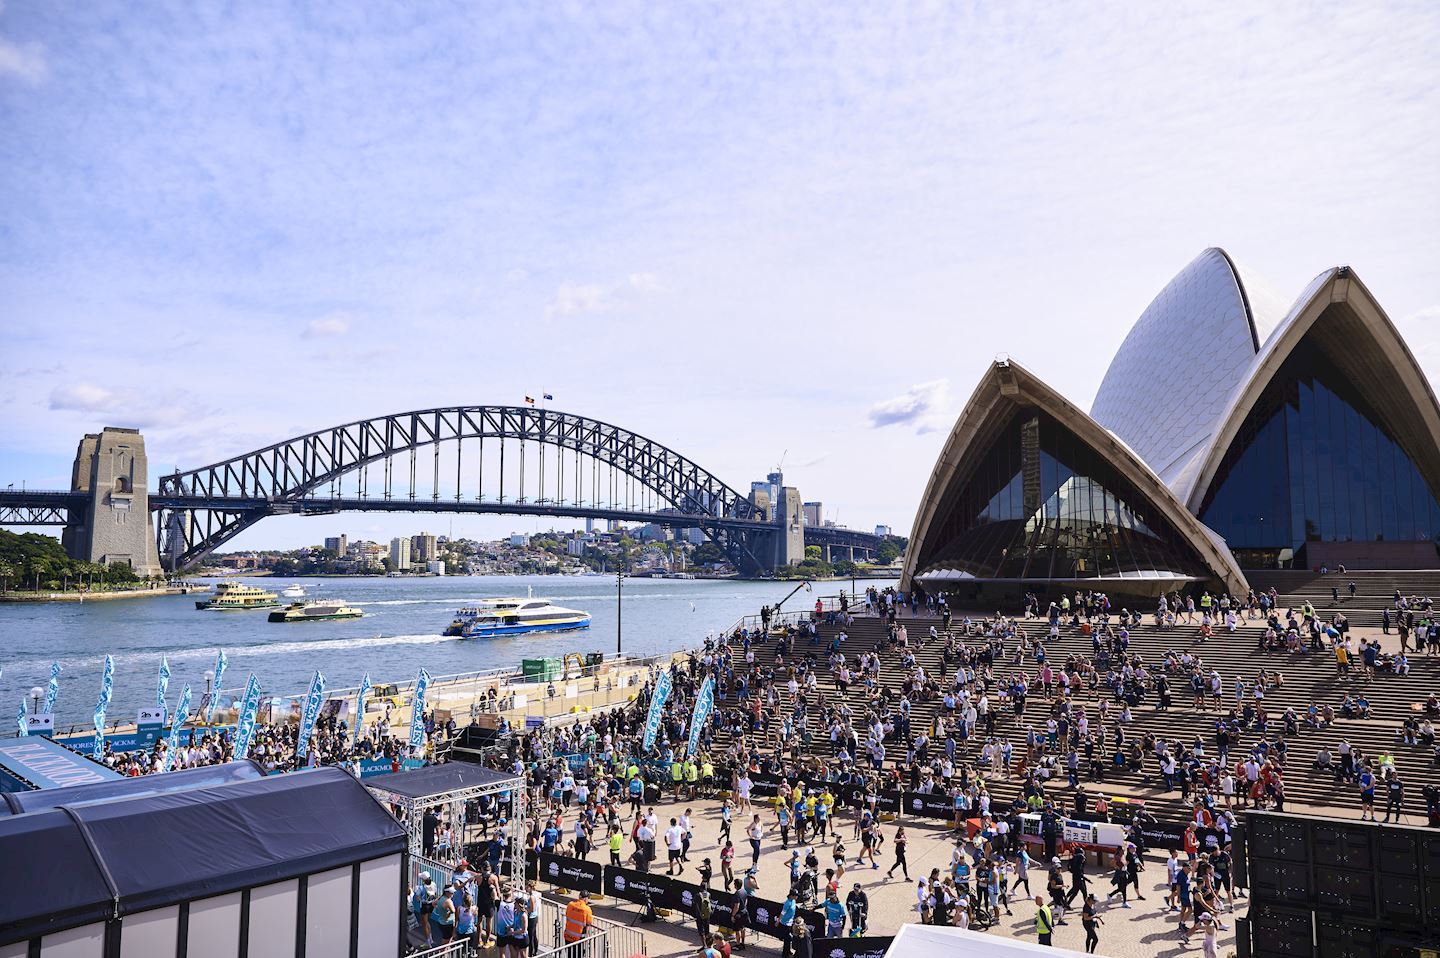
{"x":496,"y":617}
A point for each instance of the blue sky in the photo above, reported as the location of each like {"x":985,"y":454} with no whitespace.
{"x":739,"y":229}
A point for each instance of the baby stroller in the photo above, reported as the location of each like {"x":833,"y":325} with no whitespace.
{"x":803,"y":887}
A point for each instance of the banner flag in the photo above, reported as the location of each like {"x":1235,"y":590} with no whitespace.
{"x":360,"y":706}
{"x":245,"y":718}
{"x":52,"y":691}
{"x":657,"y":709}
{"x":220,"y":662}
{"x":20,"y":718}
{"x":704,"y":705}
{"x":107,"y":681}
{"x":311,"y":713}
{"x":417,"y":713}
{"x":182,"y":715}
{"x":164,"y":682}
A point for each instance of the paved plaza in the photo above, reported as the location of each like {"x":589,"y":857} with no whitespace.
{"x":1141,"y":930}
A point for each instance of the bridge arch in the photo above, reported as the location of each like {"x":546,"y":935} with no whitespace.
{"x":205,"y":507}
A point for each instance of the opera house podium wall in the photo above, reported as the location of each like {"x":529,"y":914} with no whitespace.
{"x":1229,"y":432}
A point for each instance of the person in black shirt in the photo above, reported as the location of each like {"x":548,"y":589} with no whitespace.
{"x":1394,"y":796}
{"x":1091,"y":921}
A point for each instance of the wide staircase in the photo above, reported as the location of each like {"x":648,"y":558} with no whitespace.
{"x":1374,"y":590}
{"x":1311,"y":677}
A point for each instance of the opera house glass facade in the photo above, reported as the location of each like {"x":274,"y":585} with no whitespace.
{"x":1313,"y":463}
{"x":1231,"y":431}
{"x":1041,"y":504}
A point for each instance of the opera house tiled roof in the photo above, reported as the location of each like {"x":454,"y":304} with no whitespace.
{"x":1222,"y":411}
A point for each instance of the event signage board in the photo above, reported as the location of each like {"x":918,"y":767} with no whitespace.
{"x":636,"y":886}
{"x":929,"y":804}
{"x":45,"y":764}
{"x":576,"y":874}
{"x":42,"y":724}
{"x":864,"y":946}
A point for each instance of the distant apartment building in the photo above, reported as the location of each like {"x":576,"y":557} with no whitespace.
{"x":435,"y":567}
{"x":575,"y":546}
{"x":519,"y":540}
{"x":882,"y":530}
{"x":423,"y":548}
{"x":337,"y":544}
{"x":814,"y":514}
{"x":400,"y":554}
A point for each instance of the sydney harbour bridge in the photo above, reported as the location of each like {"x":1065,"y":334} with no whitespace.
{"x":515,"y":460}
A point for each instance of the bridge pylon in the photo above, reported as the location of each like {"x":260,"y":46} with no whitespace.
{"x":114,"y":525}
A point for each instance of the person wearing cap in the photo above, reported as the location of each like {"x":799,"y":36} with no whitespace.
{"x":578,"y":918}
{"x":1209,"y":945}
{"x":442,"y":919}
{"x":512,"y":925}
{"x":422,"y":902}
{"x":857,"y":904}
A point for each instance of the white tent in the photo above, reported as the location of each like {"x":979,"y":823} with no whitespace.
{"x":927,"y":941}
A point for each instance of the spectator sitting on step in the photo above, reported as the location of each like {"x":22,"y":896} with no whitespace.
{"x":1324,"y":763}
{"x":1408,"y":732}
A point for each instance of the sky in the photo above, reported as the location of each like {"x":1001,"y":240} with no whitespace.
{"x":744,"y":230}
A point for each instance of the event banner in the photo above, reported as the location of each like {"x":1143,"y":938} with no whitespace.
{"x":52,"y":691}
{"x":220,"y":662}
{"x":107,"y":680}
{"x":245,"y":718}
{"x":576,"y":874}
{"x":164,"y":682}
{"x":308,"y":717}
{"x":20,"y":718}
{"x":704,"y":705}
{"x":929,"y":804}
{"x":665,"y":892}
{"x":865,"y":946}
{"x":182,"y":715}
{"x":417,"y":712}
{"x":365,"y":688}
{"x":657,"y":710}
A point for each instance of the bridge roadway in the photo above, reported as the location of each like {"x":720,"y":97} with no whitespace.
{"x":52,"y":507}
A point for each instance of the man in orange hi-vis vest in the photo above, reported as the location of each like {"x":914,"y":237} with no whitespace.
{"x":578,"y":918}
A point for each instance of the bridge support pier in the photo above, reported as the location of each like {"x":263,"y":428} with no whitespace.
{"x":114,"y":526}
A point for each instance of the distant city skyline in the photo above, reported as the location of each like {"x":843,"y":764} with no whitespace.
{"x":746,"y":232}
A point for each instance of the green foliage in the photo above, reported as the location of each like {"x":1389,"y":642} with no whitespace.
{"x":887,"y":552}
{"x":814,"y":552}
{"x":33,"y":560}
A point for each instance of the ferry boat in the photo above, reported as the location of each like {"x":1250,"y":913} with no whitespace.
{"x":315,"y":611}
{"x":237,"y":596}
{"x":493,"y":617}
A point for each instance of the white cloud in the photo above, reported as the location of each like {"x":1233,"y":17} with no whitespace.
{"x":82,"y":397}
{"x":327,"y":326}
{"x":23,"y":60}
{"x":575,"y":299}
{"x":923,"y":406}
{"x":125,"y":407}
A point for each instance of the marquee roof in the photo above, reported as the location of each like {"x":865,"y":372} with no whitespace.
{"x":130,"y":855}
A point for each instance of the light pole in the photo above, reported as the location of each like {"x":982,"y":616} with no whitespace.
{"x":209,"y":678}
{"x":35,"y":700}
{"x":619,"y":586}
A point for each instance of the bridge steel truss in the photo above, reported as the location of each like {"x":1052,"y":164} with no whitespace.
{"x":203,"y":508}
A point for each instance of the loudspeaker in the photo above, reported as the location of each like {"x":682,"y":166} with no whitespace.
{"x":1280,"y":883}
{"x":1280,"y":932}
{"x":1276,"y":838}
{"x":1401,"y":890}
{"x":1239,"y":855}
{"x":1342,"y":845}
{"x":1345,"y":938}
{"x":1349,"y":891}
{"x":1242,"y":938}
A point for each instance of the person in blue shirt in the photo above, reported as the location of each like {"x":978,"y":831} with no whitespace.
{"x":834,"y":915}
{"x":787,"y":919}
{"x":549,"y":837}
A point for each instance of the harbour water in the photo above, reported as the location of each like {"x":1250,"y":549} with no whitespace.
{"x":399,"y":633}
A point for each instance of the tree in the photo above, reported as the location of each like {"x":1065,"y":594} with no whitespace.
{"x":888,"y":552}
{"x":814,"y":552}
{"x":708,"y":553}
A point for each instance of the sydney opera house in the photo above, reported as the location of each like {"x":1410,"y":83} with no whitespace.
{"x":1230,"y":433}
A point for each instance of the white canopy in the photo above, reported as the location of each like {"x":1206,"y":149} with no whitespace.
{"x":927,"y":941}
